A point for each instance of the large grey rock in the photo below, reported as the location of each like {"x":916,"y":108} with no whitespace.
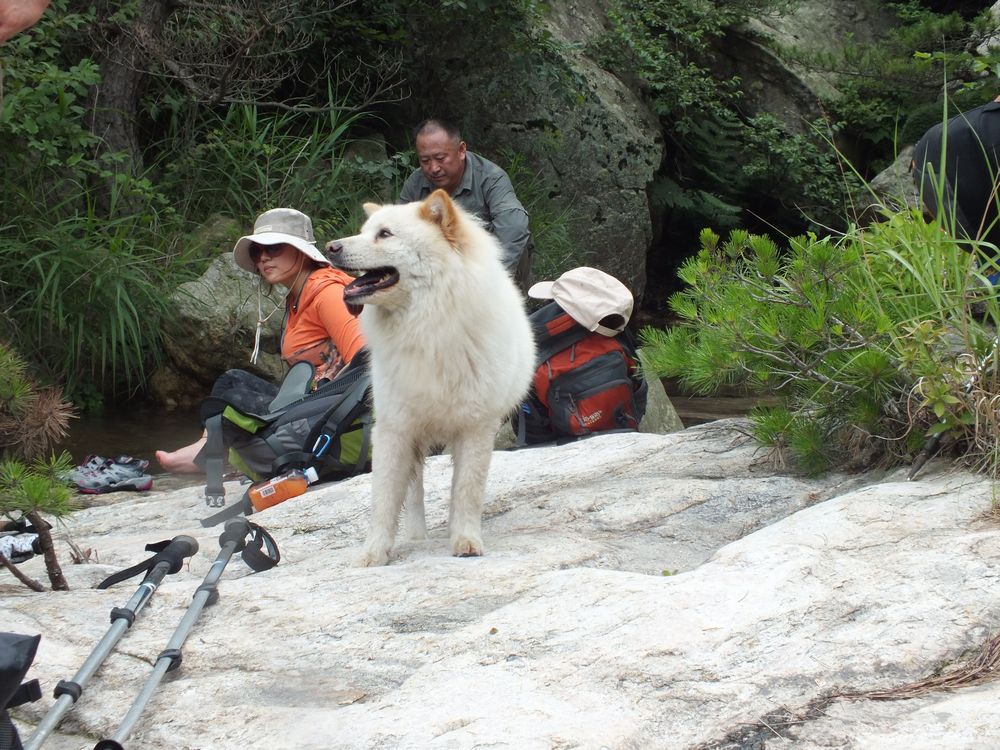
{"x":213,"y":330}
{"x":586,"y":133}
{"x":894,"y":185}
{"x":661,"y":416}
{"x":567,"y":633}
{"x":776,"y":82}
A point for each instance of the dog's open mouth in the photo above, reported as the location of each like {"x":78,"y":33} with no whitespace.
{"x":369,"y":283}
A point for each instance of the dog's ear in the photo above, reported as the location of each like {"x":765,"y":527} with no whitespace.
{"x":370,"y":208}
{"x":438,"y":208}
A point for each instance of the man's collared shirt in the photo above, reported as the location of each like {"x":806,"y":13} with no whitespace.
{"x":485,"y":191}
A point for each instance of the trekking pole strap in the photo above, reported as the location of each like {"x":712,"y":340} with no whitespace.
{"x":261,"y":552}
{"x":171,"y":552}
{"x":255,"y":545}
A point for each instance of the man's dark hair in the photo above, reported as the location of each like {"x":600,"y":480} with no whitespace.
{"x":436,"y":123}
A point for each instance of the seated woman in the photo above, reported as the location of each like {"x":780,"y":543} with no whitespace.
{"x":318,"y":327}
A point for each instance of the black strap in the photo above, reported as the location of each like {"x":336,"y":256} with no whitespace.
{"x":342,"y":415}
{"x":522,"y":425}
{"x":144,"y":567}
{"x":163,"y":551}
{"x":261,"y":551}
{"x":243,"y":506}
{"x":29,"y":692}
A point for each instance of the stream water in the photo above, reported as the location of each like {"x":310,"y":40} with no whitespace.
{"x":140,"y":430}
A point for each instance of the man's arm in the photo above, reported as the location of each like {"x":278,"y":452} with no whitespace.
{"x":17,"y":15}
{"x":508,"y":219}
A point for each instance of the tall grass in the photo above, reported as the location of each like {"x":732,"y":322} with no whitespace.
{"x":249,"y":161}
{"x":84,"y":297}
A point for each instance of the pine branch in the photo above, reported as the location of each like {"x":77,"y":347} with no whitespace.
{"x":31,"y":583}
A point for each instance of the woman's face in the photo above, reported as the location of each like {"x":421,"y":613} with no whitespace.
{"x":277,"y":264}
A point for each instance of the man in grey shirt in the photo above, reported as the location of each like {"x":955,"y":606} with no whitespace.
{"x":477,"y":185}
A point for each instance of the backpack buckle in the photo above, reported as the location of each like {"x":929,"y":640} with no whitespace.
{"x":215,"y":501}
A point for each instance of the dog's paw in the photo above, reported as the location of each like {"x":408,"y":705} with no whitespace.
{"x":465,"y":547}
{"x":372,"y":557}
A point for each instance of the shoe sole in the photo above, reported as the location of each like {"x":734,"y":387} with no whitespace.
{"x":137,"y":484}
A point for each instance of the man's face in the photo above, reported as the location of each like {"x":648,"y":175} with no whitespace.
{"x":442,"y":160}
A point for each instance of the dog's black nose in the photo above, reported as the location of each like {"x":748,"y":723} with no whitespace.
{"x":334,"y":246}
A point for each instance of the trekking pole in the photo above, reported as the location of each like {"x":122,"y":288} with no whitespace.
{"x":233,"y":539}
{"x":168,"y":559}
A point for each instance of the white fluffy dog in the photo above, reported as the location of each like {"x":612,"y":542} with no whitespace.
{"x":452,"y":354}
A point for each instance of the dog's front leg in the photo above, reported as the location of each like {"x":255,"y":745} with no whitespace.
{"x":394,"y":461}
{"x":471,"y":455}
{"x":413,"y":506}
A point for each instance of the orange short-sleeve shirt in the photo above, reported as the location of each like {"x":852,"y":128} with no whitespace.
{"x":318,"y":328}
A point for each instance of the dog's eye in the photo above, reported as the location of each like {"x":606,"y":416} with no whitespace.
{"x":382,"y":234}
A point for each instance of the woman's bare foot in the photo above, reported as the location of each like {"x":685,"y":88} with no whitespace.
{"x":181,"y":461}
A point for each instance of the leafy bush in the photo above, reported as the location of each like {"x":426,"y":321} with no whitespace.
{"x":868,"y":343}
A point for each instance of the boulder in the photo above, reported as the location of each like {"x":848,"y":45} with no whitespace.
{"x":637,"y":590}
{"x":587,"y":134}
{"x":213,"y":331}
{"x":894,"y":185}
{"x":775,"y":82}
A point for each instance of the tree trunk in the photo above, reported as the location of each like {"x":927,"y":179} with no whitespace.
{"x":56,"y":577}
{"x":114,"y":102}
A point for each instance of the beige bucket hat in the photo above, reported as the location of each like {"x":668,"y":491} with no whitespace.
{"x":276,"y":227}
{"x":596,"y":300}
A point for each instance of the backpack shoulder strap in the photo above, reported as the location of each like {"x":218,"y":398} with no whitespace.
{"x":212,"y":458}
{"x":294,"y":385}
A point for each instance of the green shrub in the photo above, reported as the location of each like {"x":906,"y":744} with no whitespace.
{"x":869,"y":342}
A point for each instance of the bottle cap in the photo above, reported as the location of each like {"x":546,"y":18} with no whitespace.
{"x":311,"y":475}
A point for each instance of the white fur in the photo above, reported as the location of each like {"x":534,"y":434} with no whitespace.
{"x":452,"y":354}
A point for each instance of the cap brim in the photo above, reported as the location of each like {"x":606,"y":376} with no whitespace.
{"x":541,"y":290}
{"x":241,"y":251}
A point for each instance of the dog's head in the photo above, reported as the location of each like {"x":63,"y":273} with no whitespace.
{"x":400,"y":247}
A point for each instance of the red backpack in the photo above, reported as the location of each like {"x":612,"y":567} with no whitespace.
{"x":584,"y":382}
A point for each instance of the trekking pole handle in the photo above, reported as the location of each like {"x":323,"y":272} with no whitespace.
{"x":236,"y":531}
{"x":180,"y":547}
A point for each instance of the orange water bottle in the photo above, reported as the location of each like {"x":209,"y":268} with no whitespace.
{"x":280,"y":488}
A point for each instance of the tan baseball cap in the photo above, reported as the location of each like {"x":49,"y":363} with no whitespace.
{"x":596,"y":300}
{"x":276,"y":227}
